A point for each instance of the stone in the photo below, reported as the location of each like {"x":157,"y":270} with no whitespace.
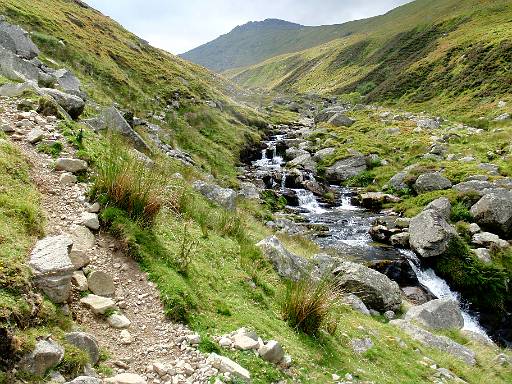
{"x":79,"y":280}
{"x":249,"y":191}
{"x":194,"y":339}
{"x":428,"y":124}
{"x":356,"y":303}
{"x":287,"y":265}
{"x":67,"y":179}
{"x":344,"y":169}
{"x":126,"y":337}
{"x":442,"y":206}
{"x":375,"y":200}
{"x":70,"y":165}
{"x":442,"y":343}
{"x":483,"y":254}
{"x":328,"y":113}
{"x":503,"y":117}
{"x":430,"y":234}
{"x":90,"y":220}
{"x":17,"y":40}
{"x":7,"y":128}
{"x":429,"y":182}
{"x":400,"y":240}
{"x":126,"y":378}
{"x":101,"y":284}
{"x":46,"y":355}
{"x":479,"y":187}
{"x":87,"y":343}
{"x":160,"y":369}
{"x":68,"y":82}
{"x":85,"y":380}
{"x":118,"y":321}
{"x":474,"y":228}
{"x":303,"y":162}
{"x":323,"y":154}
{"x":83,"y":242}
{"x":397,"y":182}
{"x":244,"y":343}
{"x":94,"y":208}
{"x":390,"y":315}
{"x":272,"y":352}
{"x":341,"y":120}
{"x":286,"y":361}
{"x":376,"y":290}
{"x":224,"y":197}
{"x":487,"y":239}
{"x":437,"y":314}
{"x":494,"y":211}
{"x":225,"y":342}
{"x":52,"y":267}
{"x":99,"y":305}
{"x":35,"y":136}
{"x":360,"y":346}
{"x":72,"y":104}
{"x":226,"y":365}
{"x":57,"y":378}
{"x":417,"y":295}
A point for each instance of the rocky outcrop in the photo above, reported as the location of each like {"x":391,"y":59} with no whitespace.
{"x":441,"y":206}
{"x":345,"y":169}
{"x":430,"y":234}
{"x":494,"y":211}
{"x":72,"y":104}
{"x":437,"y":314}
{"x":429,"y":182}
{"x":87,"y":343}
{"x":287,"y":265}
{"x":224,"y":197}
{"x":46,"y":354}
{"x":17,"y":40}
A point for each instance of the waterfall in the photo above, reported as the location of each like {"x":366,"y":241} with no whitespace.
{"x":441,"y":290}
{"x":307,"y":200}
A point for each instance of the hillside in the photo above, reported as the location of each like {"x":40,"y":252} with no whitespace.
{"x":422,"y":53}
{"x":255,"y":42}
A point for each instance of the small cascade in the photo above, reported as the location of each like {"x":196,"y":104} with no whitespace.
{"x":307,"y":200}
{"x":441,"y":290}
{"x":283,"y":182}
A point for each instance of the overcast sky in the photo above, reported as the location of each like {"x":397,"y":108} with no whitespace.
{"x":180,"y":25}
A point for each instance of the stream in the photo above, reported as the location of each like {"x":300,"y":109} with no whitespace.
{"x":348,"y":226}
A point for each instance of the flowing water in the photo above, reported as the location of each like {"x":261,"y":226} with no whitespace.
{"x":348,"y":230}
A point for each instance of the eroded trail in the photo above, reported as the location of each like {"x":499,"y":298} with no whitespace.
{"x":150,"y":338}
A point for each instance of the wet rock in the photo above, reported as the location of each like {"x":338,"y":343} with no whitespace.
{"x":400,"y":240}
{"x":417,"y":295}
{"x":46,"y":354}
{"x":87,"y":343}
{"x":101,"y":284}
{"x":430,"y":234}
{"x":224,"y":197}
{"x":429,"y":182}
{"x":344,"y":169}
{"x":437,"y":314}
{"x":494,"y":211}
{"x":398,"y":270}
{"x":70,"y":165}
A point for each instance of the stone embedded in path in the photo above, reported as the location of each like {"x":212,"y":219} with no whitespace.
{"x":67,"y":179}
{"x":83,"y":241}
{"x":126,"y":337}
{"x":46,"y":354}
{"x":118,"y":321}
{"x":226,"y":365}
{"x":101,"y":284}
{"x":90,"y":220}
{"x":79,"y":280}
{"x":126,"y":378}
{"x":442,"y":343}
{"x":271,"y":351}
{"x":35,"y":136}
{"x":85,"y":380}
{"x":437,"y":314}
{"x":87,"y":343}
{"x":70,"y":165}
{"x":52,"y":267}
{"x":98,"y":305}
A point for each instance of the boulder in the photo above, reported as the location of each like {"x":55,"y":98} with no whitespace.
{"x":87,"y":343}
{"x":70,"y":165}
{"x":287,"y":265}
{"x":303,"y":162}
{"x":126,"y":378}
{"x":494,"y":211}
{"x":16,"y":68}
{"x":417,"y":295}
{"x":442,"y":343}
{"x":400,"y":240}
{"x":488,"y":240}
{"x":430,"y":234}
{"x":328,"y":113}
{"x":226,"y":365}
{"x":90,"y":220}
{"x":46,"y":355}
{"x":479,"y":187}
{"x":244,"y":343}
{"x":272,"y":352}
{"x":112,"y":119}
{"x":341,"y":120}
{"x":85,"y":380}
{"x":52,"y":267}
{"x":429,"y":182}
{"x":356,"y":304}
{"x":67,"y":179}
{"x":375,"y":200}
{"x":437,"y":314}
{"x":83,"y":242}
{"x":98,"y":305}
{"x":397,"y":182}
{"x":441,"y":206}
{"x":118,"y":321}
{"x":224,"y":197}
{"x":249,"y":191}
{"x":344,"y":169}
{"x":376,"y":290}
{"x":68,"y":82}
{"x":17,"y":40}
{"x":72,"y":104}
{"x":101,"y":284}
{"x":323,"y":154}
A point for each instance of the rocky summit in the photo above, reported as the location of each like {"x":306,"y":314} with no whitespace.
{"x":333,"y":205}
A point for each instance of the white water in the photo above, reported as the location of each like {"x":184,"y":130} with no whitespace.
{"x":440,"y":289}
{"x":307,"y":200}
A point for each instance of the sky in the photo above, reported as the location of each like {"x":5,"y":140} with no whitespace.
{"x":180,"y":25}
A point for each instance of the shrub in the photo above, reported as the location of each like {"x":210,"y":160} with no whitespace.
{"x":364,"y":179}
{"x":126,"y":183}
{"x":460,"y":212}
{"x":307,"y":304}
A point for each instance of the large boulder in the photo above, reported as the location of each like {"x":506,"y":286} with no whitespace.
{"x":480,"y":187}
{"x":87,"y":343}
{"x":344,"y":169}
{"x":72,"y":104}
{"x":375,"y":200}
{"x":430,"y":233}
{"x":328,"y":113}
{"x":112,"y":119}
{"x":429,"y":182}
{"x":323,"y":154}
{"x":494,"y":212}
{"x":17,"y":40}
{"x":17,"y":68}
{"x":68,"y":82}
{"x":341,"y":120}
{"x":437,"y":314}
{"x":52,"y":267}
{"x":46,"y":354}
{"x":287,"y":265}
{"x":224,"y":197}
{"x":376,"y":290}
{"x":442,"y":206}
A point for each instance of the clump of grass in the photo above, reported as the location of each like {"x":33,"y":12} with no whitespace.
{"x":126,"y":183}
{"x":52,"y":150}
{"x":460,"y":212}
{"x":364,"y":179}
{"x":307,"y":305}
{"x":187,"y":247}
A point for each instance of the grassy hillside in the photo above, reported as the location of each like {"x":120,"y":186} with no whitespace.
{"x":420,"y":55}
{"x":255,"y":42}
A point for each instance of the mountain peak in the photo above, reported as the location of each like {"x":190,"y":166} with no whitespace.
{"x":267,"y":24}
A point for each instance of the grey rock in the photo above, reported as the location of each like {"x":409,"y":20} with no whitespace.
{"x":126,"y":378}
{"x":328,"y":113}
{"x":79,"y":280}
{"x":474,"y":228}
{"x":17,"y":40}
{"x":16,"y":68}
{"x":87,"y":343}
{"x":226,"y":365}
{"x":303,"y":162}
{"x":35,"y":135}
{"x":429,"y":182}
{"x":46,"y":354}
{"x":494,"y":211}
{"x":287,"y":265}
{"x":503,"y":117}
{"x":67,"y":179}
{"x":375,"y":289}
{"x":52,"y":267}
{"x":101,"y":284}
{"x":488,"y":240}
{"x":83,"y":241}
{"x":99,"y":305}
{"x":437,"y":314}
{"x":68,"y":82}
{"x":118,"y":321}
{"x":70,"y":165}
{"x":375,"y":200}
{"x":483,"y":254}
{"x":442,"y":343}
{"x":345,"y":169}
{"x":442,"y":206}
{"x":473,"y":186}
{"x":271,"y":351}
{"x":492,"y":169}
{"x":360,"y":346}
{"x":416,"y":295}
{"x":249,"y":191}
{"x":428,"y":124}
{"x":430,"y":234}
{"x":323,"y":154}
{"x":341,"y":120}
{"x":72,"y":104}
{"x":397,"y":182}
{"x":400,"y":240}
{"x":293,"y":153}
{"x":356,"y":303}
{"x":244,"y":343}
{"x":223,"y":197}
{"x":85,"y":380}
{"x":90,"y":220}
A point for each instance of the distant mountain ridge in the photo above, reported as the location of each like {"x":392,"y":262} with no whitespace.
{"x":257,"y":41}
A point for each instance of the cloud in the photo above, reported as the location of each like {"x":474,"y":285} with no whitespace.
{"x":179,"y":26}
